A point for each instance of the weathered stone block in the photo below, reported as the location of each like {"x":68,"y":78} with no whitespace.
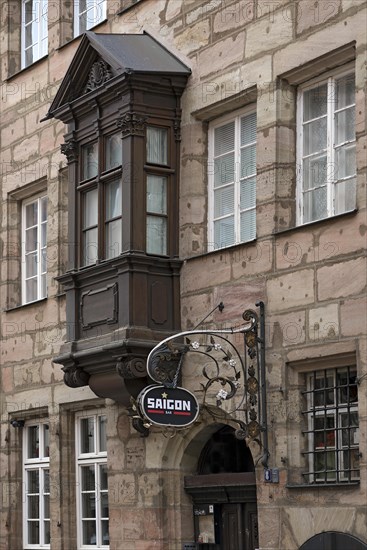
{"x":193,"y":38}
{"x":15,"y":349}
{"x":341,"y":279}
{"x":201,"y":11}
{"x":286,"y":330}
{"x":323,"y":323}
{"x":269,"y":33}
{"x":252,"y":259}
{"x":193,"y":309}
{"x":232,"y":16}
{"x":195,"y":278}
{"x":311,"y":13}
{"x":222,"y":55}
{"x":353,"y":317}
{"x":293,"y":250}
{"x":290,"y":290}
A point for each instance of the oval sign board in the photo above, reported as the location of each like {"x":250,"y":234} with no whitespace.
{"x":175,"y":407}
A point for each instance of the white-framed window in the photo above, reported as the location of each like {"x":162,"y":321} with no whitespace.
{"x":332,"y":426}
{"x":34,"y":249}
{"x":232,"y":179}
{"x":34,"y":35}
{"x":92,"y":490}
{"x":326,"y":158}
{"x":88,"y":14}
{"x":36,"y":486}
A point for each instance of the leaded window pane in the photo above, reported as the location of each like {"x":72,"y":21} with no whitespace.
{"x":87,"y":435}
{"x":315,"y":102}
{"x":113,"y":151}
{"x":156,"y":235}
{"x":90,"y":160}
{"x":157,"y":145}
{"x":157,"y":194}
{"x":33,"y":442}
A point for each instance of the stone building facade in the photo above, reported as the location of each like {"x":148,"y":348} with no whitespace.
{"x":235,"y":133}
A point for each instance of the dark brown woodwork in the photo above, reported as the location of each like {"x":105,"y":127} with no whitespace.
{"x":119,"y":308}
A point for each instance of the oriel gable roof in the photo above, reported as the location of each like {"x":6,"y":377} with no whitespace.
{"x":122,"y":53}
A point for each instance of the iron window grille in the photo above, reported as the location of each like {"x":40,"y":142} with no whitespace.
{"x":332,"y":426}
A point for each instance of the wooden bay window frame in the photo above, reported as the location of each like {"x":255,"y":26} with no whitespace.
{"x":99,"y":170}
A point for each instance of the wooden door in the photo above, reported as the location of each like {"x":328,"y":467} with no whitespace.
{"x":239,"y":527}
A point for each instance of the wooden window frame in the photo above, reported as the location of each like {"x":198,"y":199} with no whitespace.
{"x":96,"y":458}
{"x":40,"y":464}
{"x":328,"y":78}
{"x":40,"y":273}
{"x":42,"y":32}
{"x":216,"y":123}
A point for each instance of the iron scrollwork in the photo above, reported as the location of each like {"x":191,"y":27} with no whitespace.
{"x":228,"y":385}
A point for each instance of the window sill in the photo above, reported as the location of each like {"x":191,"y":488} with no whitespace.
{"x":28,"y":304}
{"x":347,"y":484}
{"x":21,"y":71}
{"x":313,"y":223}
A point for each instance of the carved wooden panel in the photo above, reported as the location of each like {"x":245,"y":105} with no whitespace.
{"x":159,"y":303}
{"x":99,"y":306}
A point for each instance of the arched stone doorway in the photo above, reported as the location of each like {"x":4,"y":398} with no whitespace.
{"x":223,"y":492}
{"x":333,"y":540}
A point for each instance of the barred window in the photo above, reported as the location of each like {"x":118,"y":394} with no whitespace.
{"x":332,"y":426}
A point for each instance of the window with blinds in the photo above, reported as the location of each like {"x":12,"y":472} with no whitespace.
{"x":326,"y":147}
{"x":232,"y":180}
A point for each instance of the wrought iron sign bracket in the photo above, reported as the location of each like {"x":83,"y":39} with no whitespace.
{"x":228,"y":384}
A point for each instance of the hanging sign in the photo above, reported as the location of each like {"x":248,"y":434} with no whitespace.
{"x":176,"y":407}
